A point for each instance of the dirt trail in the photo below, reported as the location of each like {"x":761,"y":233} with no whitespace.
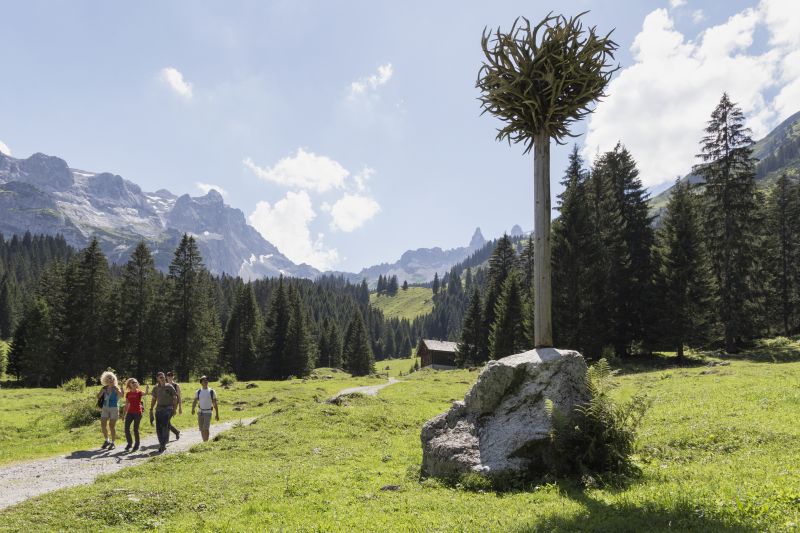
{"x":21,"y":481}
{"x":369,"y":390}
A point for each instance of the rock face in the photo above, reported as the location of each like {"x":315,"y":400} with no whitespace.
{"x":502,"y":426}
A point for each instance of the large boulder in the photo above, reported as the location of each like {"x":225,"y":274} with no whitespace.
{"x":502,"y":427}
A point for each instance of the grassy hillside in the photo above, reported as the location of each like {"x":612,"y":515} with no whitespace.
{"x":718,"y":452}
{"x":411,"y":303}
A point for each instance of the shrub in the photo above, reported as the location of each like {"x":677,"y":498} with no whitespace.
{"x":599,"y":436}
{"x":226,"y":380}
{"x":3,"y":358}
{"x":76,"y":384}
{"x":81,"y":412}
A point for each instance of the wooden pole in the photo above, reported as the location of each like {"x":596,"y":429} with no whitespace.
{"x":542,"y":295}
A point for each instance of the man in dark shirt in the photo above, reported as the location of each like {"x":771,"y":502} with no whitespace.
{"x":165,"y":399}
{"x":171,"y":381}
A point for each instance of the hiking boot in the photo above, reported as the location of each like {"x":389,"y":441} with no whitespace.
{"x":111,"y":446}
{"x":105,"y":445}
{"x":128,"y":447}
{"x":178,"y":435}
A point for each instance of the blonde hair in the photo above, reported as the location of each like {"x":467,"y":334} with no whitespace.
{"x":108,"y":378}
{"x":130,"y":382}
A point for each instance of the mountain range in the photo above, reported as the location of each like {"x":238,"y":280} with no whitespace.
{"x":42,"y":194}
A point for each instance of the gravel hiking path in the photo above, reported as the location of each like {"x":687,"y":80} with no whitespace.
{"x":20,"y":481}
{"x":368,"y":390}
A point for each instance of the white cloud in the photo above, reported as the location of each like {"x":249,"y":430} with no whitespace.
{"x":351,"y":211}
{"x":205,"y":187}
{"x":360,"y":180}
{"x":286,"y":225}
{"x":174,"y":79}
{"x":659,"y":105}
{"x":4,"y":149}
{"x":676,"y":3}
{"x":698,"y":16}
{"x":304,"y":170}
{"x":372,"y":82}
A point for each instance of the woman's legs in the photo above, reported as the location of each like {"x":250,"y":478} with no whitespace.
{"x":104,"y":427}
{"x":113,"y":424}
{"x":128,"y":420}
{"x":137,"y":418}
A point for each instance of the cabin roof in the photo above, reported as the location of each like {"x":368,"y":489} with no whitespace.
{"x":440,"y":346}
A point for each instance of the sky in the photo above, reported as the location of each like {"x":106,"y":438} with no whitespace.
{"x":350,"y":131}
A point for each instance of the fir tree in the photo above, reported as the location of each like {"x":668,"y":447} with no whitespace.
{"x":392,"y":286}
{"x":526,"y":264}
{"x":435,"y":283}
{"x":468,"y":352}
{"x":357,"y":354}
{"x":274,"y":334}
{"x":137,"y":296}
{"x":334,"y":347}
{"x":454,"y":287}
{"x":502,"y":262}
{"x":731,"y":208}
{"x":686,"y":273}
{"x":298,"y":356}
{"x":7,"y":300}
{"x":405,"y":285}
{"x":508,"y":335}
{"x":31,"y":356}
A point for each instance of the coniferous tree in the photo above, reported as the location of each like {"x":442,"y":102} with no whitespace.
{"x":298,"y":356}
{"x":526,"y":264}
{"x":783,"y":240}
{"x":392,"y":286}
{"x":335,"y":347}
{"x":687,"y":310}
{"x":468,"y":352}
{"x":31,"y":356}
{"x":435,"y":283}
{"x":405,"y":285}
{"x":502,"y":262}
{"x":731,"y":213}
{"x":274,"y":334}
{"x":357,"y":353}
{"x":454,"y":287}
{"x":381,"y":289}
{"x":508,"y":335}
{"x":87,"y":341}
{"x":137,"y":296}
{"x":194,"y":328}
{"x":239,"y":344}
{"x":7,"y":312}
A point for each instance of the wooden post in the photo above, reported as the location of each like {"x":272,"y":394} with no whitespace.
{"x":542,"y":295}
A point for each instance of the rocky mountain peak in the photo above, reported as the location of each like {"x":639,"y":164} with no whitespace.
{"x":477,"y":239}
{"x":46,"y":171}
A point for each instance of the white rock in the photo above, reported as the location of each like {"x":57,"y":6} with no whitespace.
{"x":502,"y":426}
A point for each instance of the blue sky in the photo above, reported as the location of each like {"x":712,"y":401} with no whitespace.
{"x":350,"y":131}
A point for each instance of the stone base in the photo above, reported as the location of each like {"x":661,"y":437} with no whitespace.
{"x":502,"y":425}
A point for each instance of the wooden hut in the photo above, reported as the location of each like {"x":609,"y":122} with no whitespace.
{"x":437,"y":354}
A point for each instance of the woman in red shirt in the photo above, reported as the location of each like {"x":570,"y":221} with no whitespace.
{"x":134,"y":407}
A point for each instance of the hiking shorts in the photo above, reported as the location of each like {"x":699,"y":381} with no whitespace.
{"x":109,"y":413}
{"x":204,"y":420}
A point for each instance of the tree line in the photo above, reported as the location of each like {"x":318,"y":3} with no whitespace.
{"x":72,"y":314}
{"x":720,"y":268}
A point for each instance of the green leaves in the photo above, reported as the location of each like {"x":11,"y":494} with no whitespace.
{"x":543,"y":78}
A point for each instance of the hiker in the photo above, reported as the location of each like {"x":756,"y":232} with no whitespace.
{"x":108,"y":402}
{"x":134,"y":407}
{"x":165,"y":397}
{"x":207,"y":399}
{"x":171,"y":381}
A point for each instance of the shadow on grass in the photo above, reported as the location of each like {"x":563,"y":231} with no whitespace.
{"x":775,"y":350}
{"x":656,"y":362}
{"x":626,"y":517}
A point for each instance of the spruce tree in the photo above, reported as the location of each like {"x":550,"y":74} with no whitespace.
{"x":137,"y":295}
{"x":468,"y":352}
{"x":731,"y":212}
{"x":526,"y":264}
{"x":392,"y":286}
{"x":31,"y":357}
{"x":508,"y":335}
{"x":435,"y":283}
{"x":276,"y":324}
{"x":357,"y":354}
{"x":7,"y":300}
{"x":334,"y":355}
{"x":687,"y":310}
{"x":405,"y":285}
{"x":298,"y":356}
{"x":783,"y":240}
{"x":502,"y":262}
{"x":239,"y":344}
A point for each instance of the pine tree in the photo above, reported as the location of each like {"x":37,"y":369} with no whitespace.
{"x":454,"y":287}
{"x":137,"y":295}
{"x":468,"y":352}
{"x":357,"y":354}
{"x":783,"y":221}
{"x":334,"y":346}
{"x":502,"y":262}
{"x":31,"y":357}
{"x":526,"y":264}
{"x":392,"y":287}
{"x":405,"y":285}
{"x":731,"y":212}
{"x":435,"y":283}
{"x":381,"y":289}
{"x":686,"y":273}
{"x":7,"y":299}
{"x":239,"y":344}
{"x":508,"y":335}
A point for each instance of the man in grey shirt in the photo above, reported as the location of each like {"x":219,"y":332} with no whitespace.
{"x":165,"y":399}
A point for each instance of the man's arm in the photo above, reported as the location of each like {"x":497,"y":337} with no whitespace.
{"x":180,"y":399}
{"x":194,"y":403}
{"x":216,"y":407}
{"x":152,"y":405}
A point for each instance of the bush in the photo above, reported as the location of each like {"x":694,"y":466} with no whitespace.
{"x":76,"y":384}
{"x":226,"y":380}
{"x":599,"y":436}
{"x":3,"y":358}
{"x":81,"y":412}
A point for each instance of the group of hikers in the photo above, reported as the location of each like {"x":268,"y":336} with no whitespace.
{"x":165,"y":402}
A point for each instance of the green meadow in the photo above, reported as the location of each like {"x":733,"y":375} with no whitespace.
{"x":410,"y":303}
{"x":717,"y":452}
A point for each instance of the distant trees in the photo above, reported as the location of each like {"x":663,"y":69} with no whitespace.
{"x":783,"y":241}
{"x":242,"y":333}
{"x":389,"y":285}
{"x":357,"y":354}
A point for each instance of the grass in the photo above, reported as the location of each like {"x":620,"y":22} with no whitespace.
{"x":394,"y":367}
{"x":718,"y":452}
{"x":411,"y":303}
{"x":4,"y":348}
